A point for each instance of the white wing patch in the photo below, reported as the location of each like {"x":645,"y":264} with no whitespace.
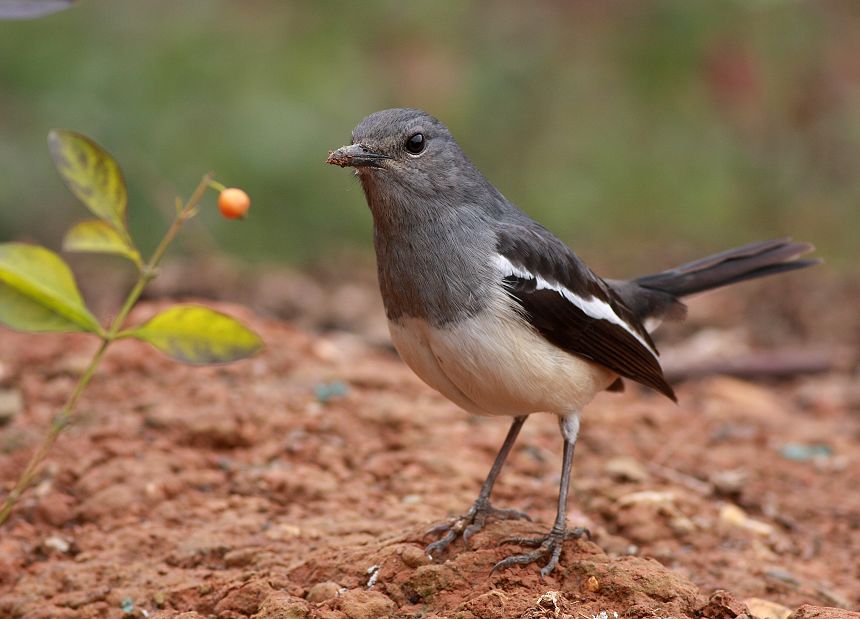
{"x":593,"y":307}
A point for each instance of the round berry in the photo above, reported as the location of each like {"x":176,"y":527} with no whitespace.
{"x":234,"y":203}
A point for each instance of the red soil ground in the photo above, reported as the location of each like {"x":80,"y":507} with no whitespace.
{"x":244,"y":491}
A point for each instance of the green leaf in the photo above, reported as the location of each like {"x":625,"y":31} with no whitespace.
{"x":24,"y":314}
{"x":198,"y":335}
{"x":92,"y":175}
{"x":38,"y":292}
{"x":97,"y":236}
{"x":31,"y":9}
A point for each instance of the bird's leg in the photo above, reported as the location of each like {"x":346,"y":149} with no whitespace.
{"x":550,"y":545}
{"x":474,"y":520}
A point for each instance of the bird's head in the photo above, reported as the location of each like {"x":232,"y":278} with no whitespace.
{"x":403,"y":156}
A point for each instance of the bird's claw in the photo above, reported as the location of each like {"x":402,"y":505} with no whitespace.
{"x":536,"y":542}
{"x":469,"y":524}
{"x":548,"y":545}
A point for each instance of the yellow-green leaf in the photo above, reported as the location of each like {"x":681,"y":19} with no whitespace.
{"x":38,"y":292}
{"x":97,"y":236}
{"x":92,"y":175}
{"x":198,"y":335}
{"x":24,"y":314}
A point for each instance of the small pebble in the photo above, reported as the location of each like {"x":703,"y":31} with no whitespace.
{"x":323,"y":591}
{"x":325,"y":392}
{"x":413,"y":556}
{"x":733,"y":515}
{"x":798,"y":452}
{"x":729,"y":482}
{"x":57,"y":543}
{"x":765,"y":609}
{"x":373,"y":574}
{"x":681,"y":524}
{"x":11,"y":405}
{"x":592,"y":584}
{"x":626,"y":469}
{"x":647,"y":496}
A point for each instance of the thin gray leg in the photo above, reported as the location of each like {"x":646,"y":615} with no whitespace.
{"x":474,"y":520}
{"x":510,"y":439}
{"x":550,"y":545}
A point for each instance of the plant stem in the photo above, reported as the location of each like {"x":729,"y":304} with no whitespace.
{"x":217,"y":186}
{"x":64,"y":417}
{"x":60,"y":422}
{"x":148,"y":272}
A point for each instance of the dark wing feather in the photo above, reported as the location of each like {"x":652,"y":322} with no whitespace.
{"x":564,"y":324}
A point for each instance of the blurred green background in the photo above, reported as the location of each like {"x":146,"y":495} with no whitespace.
{"x":631,"y":129}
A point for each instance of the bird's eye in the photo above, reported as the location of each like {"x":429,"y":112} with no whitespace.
{"x":415,"y":144}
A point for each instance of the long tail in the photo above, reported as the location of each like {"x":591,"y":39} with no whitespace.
{"x":658,"y":295}
{"x":729,"y":267}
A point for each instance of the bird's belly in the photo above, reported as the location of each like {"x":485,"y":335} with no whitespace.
{"x":496,"y":364}
{"x":411,"y":337}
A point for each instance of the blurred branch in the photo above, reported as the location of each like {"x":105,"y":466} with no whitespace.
{"x":32,"y":9}
{"x":784,"y":363}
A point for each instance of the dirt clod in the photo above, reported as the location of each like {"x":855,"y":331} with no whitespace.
{"x":414,"y":556}
{"x":323,"y":591}
{"x":359,"y":604}
{"x":279,"y":605}
{"x":807,"y":611}
{"x":723,"y":605}
{"x":765,"y":609}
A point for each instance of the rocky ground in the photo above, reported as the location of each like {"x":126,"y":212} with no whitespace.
{"x":300,"y":483}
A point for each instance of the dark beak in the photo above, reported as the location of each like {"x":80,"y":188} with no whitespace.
{"x":357,"y":156}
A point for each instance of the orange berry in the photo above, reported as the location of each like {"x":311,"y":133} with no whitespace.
{"x":233,"y":203}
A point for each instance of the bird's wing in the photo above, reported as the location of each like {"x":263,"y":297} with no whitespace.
{"x":572,"y":307}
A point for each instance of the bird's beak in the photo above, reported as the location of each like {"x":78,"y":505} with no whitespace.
{"x":357,"y":156}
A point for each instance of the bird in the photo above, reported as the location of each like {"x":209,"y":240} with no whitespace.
{"x":496,"y":313}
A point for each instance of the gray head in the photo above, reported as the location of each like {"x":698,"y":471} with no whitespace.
{"x":410,"y":166}
{"x":430,"y":209}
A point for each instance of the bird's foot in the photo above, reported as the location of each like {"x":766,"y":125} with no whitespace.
{"x":469,"y":524}
{"x":548,"y":545}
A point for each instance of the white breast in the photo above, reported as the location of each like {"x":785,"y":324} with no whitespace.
{"x":497,"y":364}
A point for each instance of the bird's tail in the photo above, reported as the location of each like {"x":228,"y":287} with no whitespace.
{"x":729,"y":267}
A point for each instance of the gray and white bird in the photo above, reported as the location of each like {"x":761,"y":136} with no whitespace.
{"x":493,"y":311}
